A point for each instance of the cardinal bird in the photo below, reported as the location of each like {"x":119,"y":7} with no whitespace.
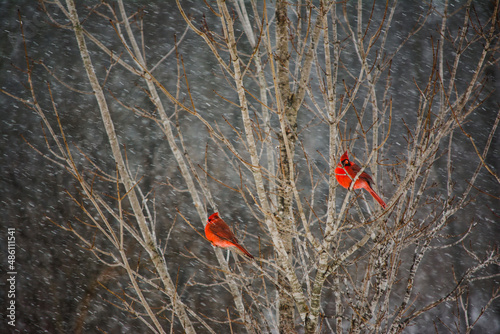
{"x":364,"y":180}
{"x":219,"y":234}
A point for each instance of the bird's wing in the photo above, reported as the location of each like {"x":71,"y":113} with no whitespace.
{"x":224,"y":232}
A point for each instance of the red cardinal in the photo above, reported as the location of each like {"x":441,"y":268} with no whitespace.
{"x":364,"y":180}
{"x":219,"y":234}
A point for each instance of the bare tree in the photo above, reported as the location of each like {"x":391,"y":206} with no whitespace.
{"x":311,"y":79}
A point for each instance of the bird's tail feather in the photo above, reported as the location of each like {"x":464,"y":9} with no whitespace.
{"x":244,"y":251}
{"x":377,"y":197}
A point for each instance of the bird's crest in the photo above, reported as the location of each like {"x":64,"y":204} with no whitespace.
{"x":344,"y":157}
{"x":213,"y":216}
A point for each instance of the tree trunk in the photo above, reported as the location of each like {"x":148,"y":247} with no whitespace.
{"x":286,"y":148}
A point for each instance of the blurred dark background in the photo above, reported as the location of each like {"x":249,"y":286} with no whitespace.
{"x":54,"y":292}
